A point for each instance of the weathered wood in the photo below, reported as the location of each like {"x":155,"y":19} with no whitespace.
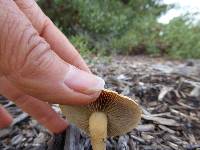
{"x":57,"y":142}
{"x":20,"y":118}
{"x":72,"y":139}
{"x":135,"y":78}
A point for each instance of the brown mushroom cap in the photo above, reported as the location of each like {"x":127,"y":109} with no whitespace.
{"x":122,"y":112}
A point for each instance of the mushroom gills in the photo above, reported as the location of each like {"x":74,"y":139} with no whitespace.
{"x":98,"y":130}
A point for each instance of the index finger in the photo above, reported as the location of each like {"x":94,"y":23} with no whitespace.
{"x":57,"y":40}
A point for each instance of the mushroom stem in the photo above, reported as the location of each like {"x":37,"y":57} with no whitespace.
{"x":98,"y":130}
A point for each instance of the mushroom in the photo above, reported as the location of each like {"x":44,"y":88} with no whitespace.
{"x":111,"y":114}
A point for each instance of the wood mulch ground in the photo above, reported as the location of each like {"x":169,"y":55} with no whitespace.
{"x":168,"y":92}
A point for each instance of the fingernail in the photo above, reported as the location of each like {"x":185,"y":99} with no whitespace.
{"x":83,"y":82}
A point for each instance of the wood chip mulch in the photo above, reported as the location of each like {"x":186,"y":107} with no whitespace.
{"x":170,"y":100}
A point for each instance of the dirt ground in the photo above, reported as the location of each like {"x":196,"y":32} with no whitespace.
{"x":167,"y":90}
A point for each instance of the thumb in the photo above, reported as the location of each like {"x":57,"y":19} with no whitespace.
{"x":28,"y":61}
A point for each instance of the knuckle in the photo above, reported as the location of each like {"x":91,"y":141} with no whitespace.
{"x":7,"y":42}
{"x":23,"y":53}
{"x":46,"y":23}
{"x":38,"y":57}
{"x":13,"y":26}
{"x":47,"y":118}
{"x":25,"y":4}
{"x":29,"y":55}
{"x":10,"y":19}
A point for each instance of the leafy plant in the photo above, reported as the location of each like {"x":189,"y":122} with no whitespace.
{"x":123,"y":27}
{"x":182,"y":38}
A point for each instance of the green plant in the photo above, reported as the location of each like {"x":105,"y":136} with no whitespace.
{"x":124,"y":27}
{"x":182,"y":38}
{"x":82,"y":44}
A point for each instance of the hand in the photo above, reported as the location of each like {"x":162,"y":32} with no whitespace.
{"x":39,"y":65}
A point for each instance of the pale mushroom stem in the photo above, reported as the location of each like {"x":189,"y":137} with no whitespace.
{"x":98,"y":130}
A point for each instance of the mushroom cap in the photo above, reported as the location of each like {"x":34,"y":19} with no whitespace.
{"x":122,"y":112}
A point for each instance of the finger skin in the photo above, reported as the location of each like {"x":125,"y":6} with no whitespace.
{"x":5,"y":118}
{"x":39,"y":110}
{"x":28,"y":61}
{"x":59,"y":43}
